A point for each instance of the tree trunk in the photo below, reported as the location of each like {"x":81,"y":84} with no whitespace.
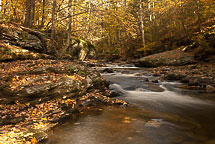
{"x":53,"y":20}
{"x":89,"y":24}
{"x":29,"y":12}
{"x":5,"y":8}
{"x":142,"y":25}
{"x":198,"y":14}
{"x":13,"y":6}
{"x":32,"y":11}
{"x":149,"y":9}
{"x":43,"y":13}
{"x":1,"y":6}
{"x":53,"y":27}
{"x":69,"y":30}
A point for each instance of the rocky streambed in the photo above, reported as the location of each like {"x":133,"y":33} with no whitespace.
{"x":181,"y":65}
{"x":160,"y":111}
{"x":199,"y":76}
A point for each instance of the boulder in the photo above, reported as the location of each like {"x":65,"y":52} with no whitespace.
{"x":155,"y":80}
{"x":173,"y":76}
{"x":168,"y":58}
{"x":42,"y":80}
{"x":80,"y":49}
{"x":107,"y":70}
{"x":210,"y":89}
{"x":17,"y":35}
{"x":198,"y":81}
{"x":11,"y":52}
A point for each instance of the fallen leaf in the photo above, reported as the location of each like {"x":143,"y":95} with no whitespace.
{"x":43,"y":118}
{"x":129,"y":138}
{"x":126,"y":118}
{"x":126,"y":121}
{"x":34,"y":140}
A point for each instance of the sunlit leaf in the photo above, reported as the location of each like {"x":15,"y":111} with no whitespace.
{"x":34,"y":140}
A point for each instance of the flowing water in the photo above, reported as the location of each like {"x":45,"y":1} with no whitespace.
{"x":160,"y":113}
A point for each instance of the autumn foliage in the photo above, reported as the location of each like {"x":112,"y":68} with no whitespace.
{"x":116,"y":27}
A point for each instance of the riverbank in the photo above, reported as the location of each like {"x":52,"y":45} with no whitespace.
{"x":37,"y":94}
{"x":182,"y":65}
{"x":198,"y":76}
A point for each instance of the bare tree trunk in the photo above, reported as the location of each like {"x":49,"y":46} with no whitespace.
{"x":24,"y":13}
{"x":153,"y":6}
{"x":13,"y":6}
{"x":198,"y":14}
{"x":149,"y":9}
{"x":142,"y":25}
{"x":89,"y":24}
{"x":5,"y":8}
{"x":74,"y":25}
{"x":1,"y":6}
{"x":182,"y":18}
{"x":14,"y":13}
{"x":29,"y":14}
{"x":69,"y":30}
{"x":32,"y":11}
{"x":53,"y":27}
{"x":43,"y":13}
{"x":53,"y":20}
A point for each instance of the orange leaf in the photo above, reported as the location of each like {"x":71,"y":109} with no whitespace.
{"x":34,"y":140}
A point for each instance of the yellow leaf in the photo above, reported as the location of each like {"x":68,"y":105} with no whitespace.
{"x":129,"y":138}
{"x":72,"y":77}
{"x":127,"y":118}
{"x":34,"y":140}
{"x":69,"y":100}
{"x":27,"y":104}
{"x":126,"y":121}
{"x":43,"y":118}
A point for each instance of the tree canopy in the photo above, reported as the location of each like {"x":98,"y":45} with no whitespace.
{"x":116,"y":27}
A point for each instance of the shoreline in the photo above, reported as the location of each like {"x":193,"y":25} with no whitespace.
{"x":36,"y":95}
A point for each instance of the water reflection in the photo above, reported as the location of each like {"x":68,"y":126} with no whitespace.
{"x":116,"y":125}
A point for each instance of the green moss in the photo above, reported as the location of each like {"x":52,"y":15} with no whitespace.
{"x":80,"y":72}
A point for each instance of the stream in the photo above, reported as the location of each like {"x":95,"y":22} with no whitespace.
{"x":160,"y":112}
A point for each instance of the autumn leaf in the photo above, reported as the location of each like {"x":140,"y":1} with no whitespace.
{"x":34,"y":140}
{"x":43,"y":118}
{"x":126,"y":121}
{"x":126,"y":118}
